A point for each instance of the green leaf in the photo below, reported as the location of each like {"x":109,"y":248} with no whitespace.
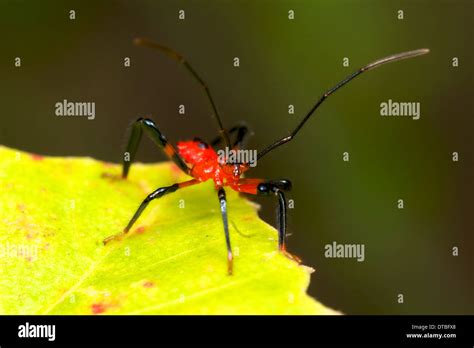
{"x":55,"y":213}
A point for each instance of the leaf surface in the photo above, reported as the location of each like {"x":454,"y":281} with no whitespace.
{"x":55,"y":212}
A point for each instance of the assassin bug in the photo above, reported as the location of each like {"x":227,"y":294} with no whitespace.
{"x":199,"y":159}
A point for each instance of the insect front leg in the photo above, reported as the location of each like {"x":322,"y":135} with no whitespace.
{"x":266,"y":188}
{"x":157,"y":137}
{"x":154,"y":195}
{"x":223,"y":206}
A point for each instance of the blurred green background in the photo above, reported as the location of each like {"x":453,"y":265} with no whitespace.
{"x":282,"y":62}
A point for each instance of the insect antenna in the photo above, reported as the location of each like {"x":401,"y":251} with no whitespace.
{"x":370,"y":66}
{"x":180,"y":59}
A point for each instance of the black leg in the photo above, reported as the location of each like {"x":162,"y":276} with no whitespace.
{"x":223,"y":204}
{"x":281,"y":220}
{"x":277,"y":187}
{"x":267,"y":188}
{"x":159,"y":139}
{"x":241,"y":131}
{"x":154,"y":195}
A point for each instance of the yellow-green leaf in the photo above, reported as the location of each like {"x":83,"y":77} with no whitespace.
{"x":55,"y":212}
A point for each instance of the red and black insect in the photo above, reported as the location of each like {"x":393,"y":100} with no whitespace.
{"x":200,"y":161}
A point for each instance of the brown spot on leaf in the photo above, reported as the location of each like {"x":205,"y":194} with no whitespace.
{"x":110,"y":176}
{"x":36,"y":157}
{"x":148,"y":284}
{"x":140,"y":230}
{"x":98,"y":308}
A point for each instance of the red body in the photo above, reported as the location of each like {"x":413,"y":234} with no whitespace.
{"x":205,"y":165}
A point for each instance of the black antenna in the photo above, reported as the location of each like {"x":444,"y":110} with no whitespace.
{"x":180,"y":59}
{"x":373,"y":65}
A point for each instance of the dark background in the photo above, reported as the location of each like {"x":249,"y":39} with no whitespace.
{"x":282,"y":62}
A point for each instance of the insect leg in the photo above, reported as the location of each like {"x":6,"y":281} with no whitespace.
{"x":157,"y":137}
{"x":223,"y":205}
{"x":266,"y":188}
{"x":154,"y":195}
